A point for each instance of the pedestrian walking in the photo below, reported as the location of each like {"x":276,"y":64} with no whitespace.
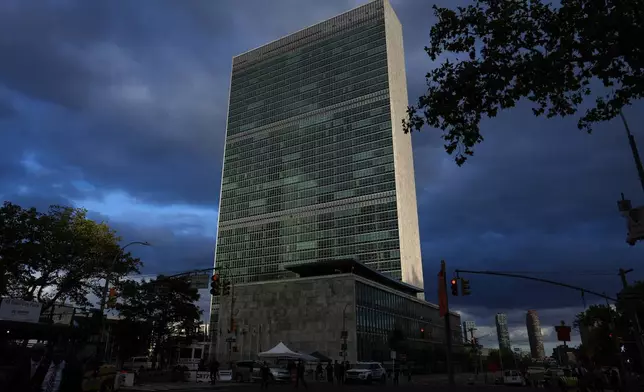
{"x":22,"y":379}
{"x":408,"y":373}
{"x":265,"y":373}
{"x":336,"y":371}
{"x":329,"y":372}
{"x":58,"y":372}
{"x":342,"y":372}
{"x":300,"y":375}
{"x":615,"y":381}
{"x":318,"y":372}
{"x":214,"y":371}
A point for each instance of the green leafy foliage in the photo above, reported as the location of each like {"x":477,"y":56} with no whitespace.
{"x":596,"y":325}
{"x":167,"y":305}
{"x":58,"y":255}
{"x":555,"y":56}
{"x":133,"y":338}
{"x":507,"y":357}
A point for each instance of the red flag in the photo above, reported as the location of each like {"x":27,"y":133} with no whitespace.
{"x":442,"y":294}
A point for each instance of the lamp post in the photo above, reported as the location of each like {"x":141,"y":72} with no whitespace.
{"x":107,"y":283}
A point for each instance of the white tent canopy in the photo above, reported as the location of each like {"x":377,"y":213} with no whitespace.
{"x":281,"y":351}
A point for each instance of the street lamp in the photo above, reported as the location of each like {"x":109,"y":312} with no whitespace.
{"x":111,"y":271}
{"x":107,"y":282}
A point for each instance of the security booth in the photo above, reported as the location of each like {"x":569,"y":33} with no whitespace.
{"x":192,"y":358}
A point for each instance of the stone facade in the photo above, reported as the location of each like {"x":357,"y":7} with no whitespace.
{"x":306,"y":314}
{"x":410,"y":257}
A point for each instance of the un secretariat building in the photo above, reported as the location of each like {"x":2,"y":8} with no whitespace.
{"x":317,"y":166}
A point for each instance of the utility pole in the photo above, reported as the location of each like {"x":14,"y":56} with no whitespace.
{"x":636,"y":154}
{"x":633,"y":316}
{"x":448,"y":327}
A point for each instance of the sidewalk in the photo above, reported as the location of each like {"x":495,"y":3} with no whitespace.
{"x":171,"y":386}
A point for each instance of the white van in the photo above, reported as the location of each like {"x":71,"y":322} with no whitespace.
{"x":137,"y":364}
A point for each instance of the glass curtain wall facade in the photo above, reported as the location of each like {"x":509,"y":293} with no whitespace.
{"x":308,"y":168}
{"x":502,"y":331}
{"x":379,"y":312}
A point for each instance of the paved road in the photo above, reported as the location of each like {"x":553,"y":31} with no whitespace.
{"x":326,"y":387}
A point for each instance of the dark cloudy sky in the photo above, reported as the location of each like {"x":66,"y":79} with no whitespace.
{"x":119,"y":107}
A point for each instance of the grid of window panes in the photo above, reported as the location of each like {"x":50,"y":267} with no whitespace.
{"x":368,"y":234}
{"x":305,"y":128}
{"x":379,"y":312}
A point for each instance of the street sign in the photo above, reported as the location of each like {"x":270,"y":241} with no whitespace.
{"x":393,"y":355}
{"x":563,"y":332}
{"x":199,"y":282}
{"x":231,"y":340}
{"x":14,"y":309}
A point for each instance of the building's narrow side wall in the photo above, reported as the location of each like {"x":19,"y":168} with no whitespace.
{"x":410,"y":256}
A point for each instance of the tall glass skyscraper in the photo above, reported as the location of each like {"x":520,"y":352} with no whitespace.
{"x":534,"y":334}
{"x":316,"y":164}
{"x":502,"y":332}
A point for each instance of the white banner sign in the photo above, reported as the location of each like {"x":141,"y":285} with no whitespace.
{"x":19,"y":310}
{"x":204,"y":377}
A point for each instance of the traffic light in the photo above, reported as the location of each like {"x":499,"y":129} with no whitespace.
{"x":214,"y":285}
{"x":226,"y":288}
{"x":465,"y":287}
{"x":111,"y":299}
{"x":454,"y":287}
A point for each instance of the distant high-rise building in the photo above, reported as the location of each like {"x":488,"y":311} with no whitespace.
{"x":502,"y":332}
{"x":468,"y":326}
{"x":534,"y":335}
{"x":316,"y":164}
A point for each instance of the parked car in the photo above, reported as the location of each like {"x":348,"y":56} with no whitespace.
{"x":367,"y":372}
{"x":244,"y":370}
{"x":137,"y":364}
{"x":277,"y":374}
{"x":249,"y":371}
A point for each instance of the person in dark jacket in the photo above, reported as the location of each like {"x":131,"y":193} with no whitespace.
{"x":300,"y":375}
{"x":329,"y":372}
{"x":214,"y":370}
{"x":265,"y":372}
{"x":59,"y":372}
{"x":22,"y":378}
{"x":318,"y":372}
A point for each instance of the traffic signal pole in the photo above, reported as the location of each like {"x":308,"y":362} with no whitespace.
{"x":634,"y":151}
{"x":448,"y":328}
{"x":552,"y":282}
